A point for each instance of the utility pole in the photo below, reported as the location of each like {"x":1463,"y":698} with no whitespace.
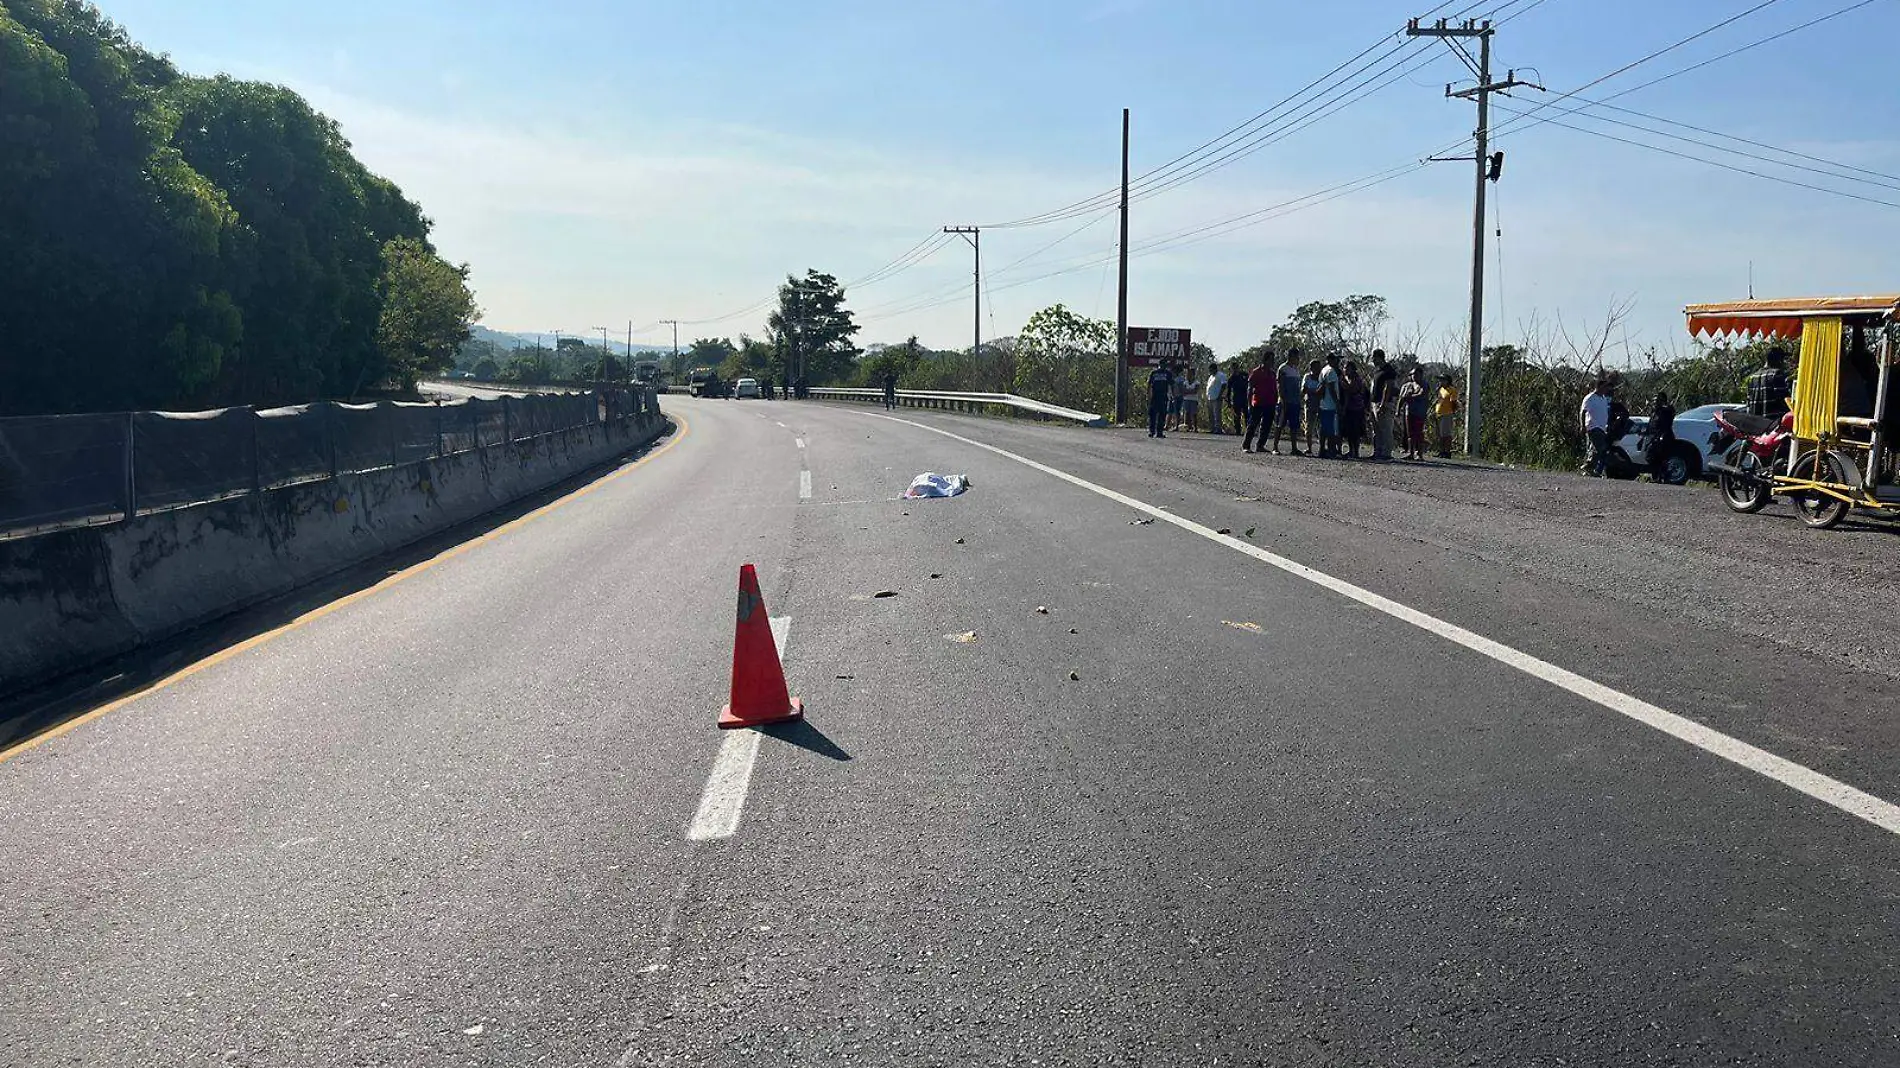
{"x":1121,"y":293}
{"x":974,"y":235}
{"x":675,"y":324}
{"x":606,"y":353}
{"x":1488,"y":169}
{"x":630,"y":350}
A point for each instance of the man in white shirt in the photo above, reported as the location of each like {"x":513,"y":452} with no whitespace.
{"x":1329,"y":407}
{"x":1216,"y":385}
{"x":1594,"y":414}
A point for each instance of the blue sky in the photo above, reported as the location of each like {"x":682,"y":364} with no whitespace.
{"x":597,"y":162}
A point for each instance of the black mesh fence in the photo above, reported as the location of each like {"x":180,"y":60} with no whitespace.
{"x":62,"y":469}
{"x":415,"y":431}
{"x":457,"y":422}
{"x":185,"y":457}
{"x":293,"y":445}
{"x":491,"y":421}
{"x":363,"y":436}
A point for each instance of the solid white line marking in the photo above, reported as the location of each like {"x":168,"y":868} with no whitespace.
{"x":1823,"y":788}
{"x":723,"y":800}
{"x":804,"y":485}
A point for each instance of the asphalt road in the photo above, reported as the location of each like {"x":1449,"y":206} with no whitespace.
{"x":1208,"y":809}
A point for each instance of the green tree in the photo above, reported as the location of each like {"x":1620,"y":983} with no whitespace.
{"x":811,"y":331}
{"x":111,"y":244}
{"x":706,"y":352}
{"x":488,"y":368}
{"x":475,"y":350}
{"x":1068,"y":359}
{"x":426,"y":311}
{"x":1353,"y":326}
{"x":169,"y":241}
{"x":314,"y":223}
{"x":900,"y":360}
{"x":753,"y":357}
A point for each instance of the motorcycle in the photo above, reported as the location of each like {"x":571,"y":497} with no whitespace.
{"x":1756,"y":450}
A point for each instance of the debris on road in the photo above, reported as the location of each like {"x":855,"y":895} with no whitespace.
{"x":1254,"y":499}
{"x":845,"y":676}
{"x":959,"y":541}
{"x":1249,"y":532}
{"x":931,"y":484}
{"x":1224,"y":530}
{"x":1139,"y":522}
{"x":1042,"y":609}
{"x":476,"y":1030}
{"x":1072,"y":630}
{"x":965,"y":638}
{"x":936,"y":574}
{"x":885,"y":593}
{"x":1254,"y":627}
{"x":1074,"y":677}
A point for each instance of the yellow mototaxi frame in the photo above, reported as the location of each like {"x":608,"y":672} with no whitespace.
{"x":1819,"y":427}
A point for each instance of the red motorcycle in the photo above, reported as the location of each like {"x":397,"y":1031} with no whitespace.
{"x":1759,"y":449}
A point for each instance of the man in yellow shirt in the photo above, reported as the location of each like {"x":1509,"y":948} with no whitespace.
{"x":1447,"y":412}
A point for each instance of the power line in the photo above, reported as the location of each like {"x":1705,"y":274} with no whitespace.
{"x":1105,"y":214}
{"x":1747,"y":47}
{"x":1191,"y":236}
{"x":1391,"y":73}
{"x":1235,"y":143}
{"x":1632,"y":65}
{"x":1873,"y":178}
{"x":1187,"y":159}
{"x":1710,"y":162}
{"x":912,"y":256}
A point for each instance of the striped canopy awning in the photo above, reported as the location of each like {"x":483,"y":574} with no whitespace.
{"x":1781,"y":318}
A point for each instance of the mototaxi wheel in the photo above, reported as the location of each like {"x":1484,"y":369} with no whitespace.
{"x":1819,"y":510}
{"x":1746,"y":493}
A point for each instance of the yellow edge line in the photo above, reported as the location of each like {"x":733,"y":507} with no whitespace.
{"x":342,"y":602}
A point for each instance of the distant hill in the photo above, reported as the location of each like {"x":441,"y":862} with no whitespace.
{"x":505,"y":340}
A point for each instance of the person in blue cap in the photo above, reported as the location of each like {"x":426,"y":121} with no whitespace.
{"x":1160,"y":392}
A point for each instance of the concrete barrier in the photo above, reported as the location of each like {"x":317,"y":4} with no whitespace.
{"x":72,"y":598}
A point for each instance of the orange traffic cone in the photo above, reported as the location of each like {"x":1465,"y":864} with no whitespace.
{"x":758,"y":679}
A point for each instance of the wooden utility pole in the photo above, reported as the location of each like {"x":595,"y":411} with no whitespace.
{"x":974,"y":235}
{"x":1488,"y":169}
{"x":675,"y":324}
{"x":1121,"y":293}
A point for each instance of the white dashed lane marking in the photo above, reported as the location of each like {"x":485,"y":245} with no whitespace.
{"x":722,"y":802}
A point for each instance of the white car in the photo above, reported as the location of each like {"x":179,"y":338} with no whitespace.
{"x":1696,"y":437}
{"x":746,"y":387}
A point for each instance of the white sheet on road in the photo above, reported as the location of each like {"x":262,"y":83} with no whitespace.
{"x":931,"y":484}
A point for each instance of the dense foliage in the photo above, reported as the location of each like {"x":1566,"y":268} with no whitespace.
{"x":811,"y":330}
{"x":169,"y":241}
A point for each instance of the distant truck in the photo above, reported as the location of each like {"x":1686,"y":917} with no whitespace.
{"x":647,"y":372}
{"x":705,"y":382}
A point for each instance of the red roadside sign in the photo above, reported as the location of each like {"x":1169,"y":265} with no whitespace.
{"x":1149,"y":345}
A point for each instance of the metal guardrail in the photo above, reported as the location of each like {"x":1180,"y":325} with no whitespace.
{"x":945,"y":399}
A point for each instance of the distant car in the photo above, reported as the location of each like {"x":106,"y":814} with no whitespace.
{"x":746,"y":387}
{"x":1696,"y":437}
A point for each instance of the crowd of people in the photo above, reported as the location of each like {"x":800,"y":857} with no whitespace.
{"x":1331,"y":405}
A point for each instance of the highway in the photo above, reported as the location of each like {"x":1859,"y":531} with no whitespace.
{"x":1304,"y":764}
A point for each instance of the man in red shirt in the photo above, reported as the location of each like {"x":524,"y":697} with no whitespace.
{"x":1263,"y":397}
